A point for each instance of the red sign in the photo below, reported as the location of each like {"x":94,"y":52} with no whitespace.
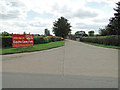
{"x":22,"y":40}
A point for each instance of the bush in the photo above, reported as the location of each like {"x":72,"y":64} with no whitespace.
{"x":58,"y":39}
{"x":106,"y":40}
{"x":7,"y":41}
{"x":39,"y":40}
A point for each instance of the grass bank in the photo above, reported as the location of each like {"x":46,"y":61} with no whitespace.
{"x":37,"y":47}
{"x":101,"y":45}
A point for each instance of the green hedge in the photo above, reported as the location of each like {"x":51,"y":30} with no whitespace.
{"x":106,"y":40}
{"x":7,"y":41}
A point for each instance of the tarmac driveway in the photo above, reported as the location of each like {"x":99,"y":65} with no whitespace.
{"x":76,"y":65}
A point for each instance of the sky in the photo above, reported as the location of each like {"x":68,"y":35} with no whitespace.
{"x":33,"y":16}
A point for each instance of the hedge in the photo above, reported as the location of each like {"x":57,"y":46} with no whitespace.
{"x":113,"y":40}
{"x":7,"y":41}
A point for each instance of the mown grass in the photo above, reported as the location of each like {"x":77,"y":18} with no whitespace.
{"x":101,"y":45}
{"x":37,"y":47}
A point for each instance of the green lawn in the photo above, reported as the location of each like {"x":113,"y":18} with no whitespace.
{"x":37,"y":47}
{"x":101,"y":45}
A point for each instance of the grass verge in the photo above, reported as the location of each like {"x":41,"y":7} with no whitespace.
{"x":101,"y":45}
{"x":37,"y":47}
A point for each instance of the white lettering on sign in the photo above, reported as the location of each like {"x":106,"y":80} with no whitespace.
{"x":22,"y":41}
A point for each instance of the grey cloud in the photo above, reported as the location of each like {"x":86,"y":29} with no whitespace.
{"x":35,"y":24}
{"x":104,"y":20}
{"x":10,"y":15}
{"x":31,"y":24}
{"x":16,"y":4}
{"x":38,"y":24}
{"x":11,"y":10}
{"x":80,"y":13}
{"x":86,"y":26}
{"x":20,"y":24}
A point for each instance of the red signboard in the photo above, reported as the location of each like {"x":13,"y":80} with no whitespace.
{"x":20,"y":40}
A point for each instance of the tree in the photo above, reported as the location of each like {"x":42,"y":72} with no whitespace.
{"x":24,"y":33}
{"x":117,"y":19}
{"x":81,"y":33}
{"x":91,"y":33}
{"x":5,"y":33}
{"x":113,"y":27}
{"x":47,"y":32}
{"x":61,"y":27}
{"x":103,"y":32}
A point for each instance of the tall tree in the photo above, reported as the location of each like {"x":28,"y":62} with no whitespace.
{"x":117,"y":18}
{"x":103,"y":32}
{"x":61,"y":27}
{"x":91,"y":33}
{"x":47,"y":32}
{"x":113,"y":27}
{"x":81,"y":33}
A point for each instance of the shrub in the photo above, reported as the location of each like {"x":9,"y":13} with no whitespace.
{"x":106,"y":40}
{"x":7,"y":41}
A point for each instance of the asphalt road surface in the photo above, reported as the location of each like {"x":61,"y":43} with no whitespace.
{"x":75,"y":65}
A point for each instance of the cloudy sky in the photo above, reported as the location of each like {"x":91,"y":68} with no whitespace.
{"x":17,"y":16}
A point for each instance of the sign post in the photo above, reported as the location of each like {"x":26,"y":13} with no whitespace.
{"x":20,"y":40}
